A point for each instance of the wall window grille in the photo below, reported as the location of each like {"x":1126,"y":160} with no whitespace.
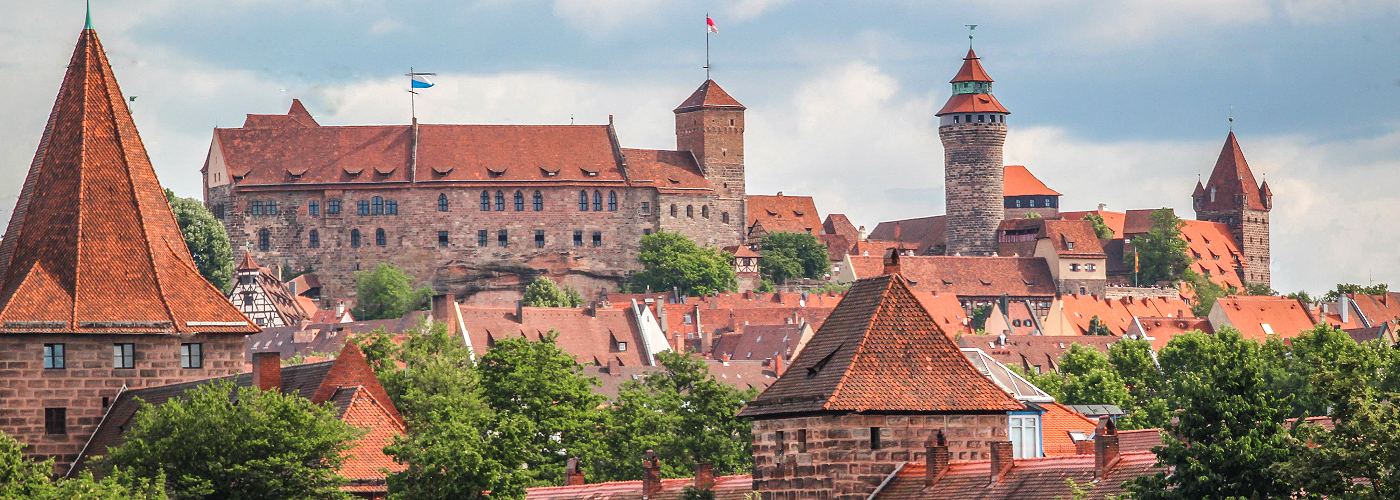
{"x":192,"y":355}
{"x":332,"y":206}
{"x":391,"y":207}
{"x":314,"y":240}
{"x":500,"y":201}
{"x":646,"y":207}
{"x":123,"y":356}
{"x":442,"y":238}
{"x":597,"y":238}
{"x":519,"y":201}
{"x":362,"y":207}
{"x":378,"y":205}
{"x":355,"y":238}
{"x":578,"y":238}
{"x":380,"y":238}
{"x":442,"y":202}
{"x":54,"y":356}
{"x":313,"y":208}
{"x":612,"y":201}
{"x":485,"y":201}
{"x":271,"y":208}
{"x":55,"y":420}
{"x":264,"y":240}
{"x":583,"y":201}
{"x":502,"y":237}
{"x":539,"y":238}
{"x":539,"y":201}
{"x":597,"y":201}
{"x":481,"y":238}
{"x":255,"y":208}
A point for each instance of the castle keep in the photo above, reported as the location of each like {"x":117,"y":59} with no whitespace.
{"x":972,"y":126}
{"x":1232,"y":198}
{"x":470,"y":208}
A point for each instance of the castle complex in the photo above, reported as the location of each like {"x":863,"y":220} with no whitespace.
{"x":472,"y":208}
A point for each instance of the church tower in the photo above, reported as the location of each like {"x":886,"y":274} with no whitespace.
{"x":1231,"y":197}
{"x":972,"y":126}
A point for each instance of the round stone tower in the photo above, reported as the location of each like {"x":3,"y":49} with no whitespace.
{"x":972,"y":126}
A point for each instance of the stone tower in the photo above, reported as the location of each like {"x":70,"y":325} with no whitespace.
{"x":1231,"y":197}
{"x":710,"y":125}
{"x":972,"y":126}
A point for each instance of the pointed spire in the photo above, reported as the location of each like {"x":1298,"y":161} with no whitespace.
{"x":971,"y":70}
{"x":709,"y":95}
{"x":88,"y":24}
{"x":1232,"y":178}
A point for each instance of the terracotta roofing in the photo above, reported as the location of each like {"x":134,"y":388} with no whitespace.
{"x":947,"y":312}
{"x":1116,"y":314}
{"x":742,"y":251}
{"x":840,"y":224}
{"x":725,"y":488}
{"x":590,"y":339}
{"x":968,"y":276}
{"x":1139,"y":440}
{"x":366,"y":462}
{"x":740,"y":374}
{"x":972,"y":103}
{"x":1260,"y":317}
{"x":1215,"y":251}
{"x":837,"y":246}
{"x":760,"y":342}
{"x":709,"y":96}
{"x":1019,"y":181}
{"x":881,"y":247}
{"x":297,"y":116}
{"x":880,"y":350}
{"x":1378,"y":309}
{"x":1162,"y":329}
{"x":927,"y":232}
{"x":92,"y":246}
{"x":971,"y":70}
{"x":781,"y":213}
{"x":1114,"y":220}
{"x":1230,"y":179}
{"x":1029,"y":478}
{"x":1069,"y":238}
{"x":289,"y":307}
{"x":1034,"y":353}
{"x":667,"y":171}
{"x":1058,"y":422}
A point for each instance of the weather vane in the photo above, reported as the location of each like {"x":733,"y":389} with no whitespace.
{"x":970,"y":28}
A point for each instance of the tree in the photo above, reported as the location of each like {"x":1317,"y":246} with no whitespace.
{"x":1147,"y":407}
{"x":670,"y":260}
{"x":206,"y":238}
{"x":1205,"y":291}
{"x":1090,"y":379}
{"x":1161,"y":252}
{"x":792,"y":255}
{"x":218,"y":441}
{"x":21,"y":477}
{"x":1301,"y":295}
{"x":543,"y":386}
{"x":979,"y":317}
{"x":1101,"y":228}
{"x":1231,"y":428}
{"x":1032,"y":215}
{"x":1259,"y":289}
{"x":386,"y":292}
{"x":1096,"y":327}
{"x":543,"y":292}
{"x":1345,"y":288}
{"x":682,"y":413}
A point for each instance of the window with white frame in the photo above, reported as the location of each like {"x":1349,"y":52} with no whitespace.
{"x":1025,"y":436}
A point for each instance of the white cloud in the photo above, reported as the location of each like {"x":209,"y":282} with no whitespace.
{"x":597,"y":17}
{"x":385,"y":26}
{"x":744,"y":10}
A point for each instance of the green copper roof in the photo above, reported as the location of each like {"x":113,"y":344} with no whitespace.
{"x":88,"y":25}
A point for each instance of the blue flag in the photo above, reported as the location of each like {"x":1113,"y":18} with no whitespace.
{"x":420,"y":82}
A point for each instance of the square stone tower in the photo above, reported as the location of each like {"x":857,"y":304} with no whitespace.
{"x":1231,"y":197}
{"x":710,"y":125}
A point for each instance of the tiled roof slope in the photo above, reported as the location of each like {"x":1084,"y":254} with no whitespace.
{"x":968,"y":276}
{"x":1285,"y":317}
{"x":1208,"y":243}
{"x":1034,"y":352}
{"x":709,"y":95}
{"x":1028,"y":479}
{"x":1019,"y":181}
{"x":759,"y":342}
{"x":92,"y":246}
{"x":927,"y":232}
{"x":1230,"y":178}
{"x":1378,"y":308}
{"x":590,"y":339}
{"x":781,"y":213}
{"x":841,"y":225}
{"x":1116,"y":314}
{"x":287,"y":306}
{"x":972,"y":103}
{"x":971,"y":70}
{"x":725,"y":488}
{"x":1056,"y":424}
{"x":880,"y":350}
{"x":667,"y":171}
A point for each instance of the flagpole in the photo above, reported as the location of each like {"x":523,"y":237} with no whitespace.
{"x":707,"y":46}
{"x":412,"y":97}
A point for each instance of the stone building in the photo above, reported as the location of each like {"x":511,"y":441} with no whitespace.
{"x":876,"y":381}
{"x":1232,"y":198}
{"x":972,"y":126}
{"x":99,"y":292}
{"x":472,"y":208}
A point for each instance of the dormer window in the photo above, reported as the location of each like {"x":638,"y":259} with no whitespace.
{"x":1069,"y":245}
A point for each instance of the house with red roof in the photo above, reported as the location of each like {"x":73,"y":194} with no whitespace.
{"x":1073,"y":314}
{"x":1070,"y":248}
{"x":261,"y":295}
{"x":782,"y":214}
{"x":1023,"y":194}
{"x":1259,"y":318}
{"x":975,"y":281}
{"x":1214,"y":252}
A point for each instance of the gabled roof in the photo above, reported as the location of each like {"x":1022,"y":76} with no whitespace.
{"x":880,"y":350}
{"x":759,"y":342}
{"x":782,"y":213}
{"x":971,"y":70}
{"x":667,"y":171}
{"x":1017,"y":180}
{"x":839,"y":224}
{"x":927,"y":232}
{"x":1260,"y":317}
{"x":1032,"y":352}
{"x":1116,"y":314}
{"x":93,"y":246}
{"x":1230,"y":178}
{"x":1056,"y":424}
{"x":1215,"y":252}
{"x":968,"y":276}
{"x":710,"y":96}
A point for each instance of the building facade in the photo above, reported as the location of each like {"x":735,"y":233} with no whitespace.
{"x":972,"y":126}
{"x":260,"y":294}
{"x":468,"y":208}
{"x":1231,"y":197}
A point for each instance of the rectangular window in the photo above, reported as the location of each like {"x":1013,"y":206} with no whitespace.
{"x":442,"y":238}
{"x":502,"y":238}
{"x":332,"y":206}
{"x":313,"y":208}
{"x":539,"y":238}
{"x":481,"y":238}
{"x":191,"y":355}
{"x":646,"y":232}
{"x":391,"y":207}
{"x":271,"y":208}
{"x":778,"y":445}
{"x":646,"y":207}
{"x":874,"y":438}
{"x":123,"y":355}
{"x":578,"y":238}
{"x":597,"y":238}
{"x":1023,"y":435}
{"x":55,"y":420}
{"x":53,"y":356}
{"x":362,"y":207}
{"x":802,"y":440}
{"x":622,"y":347}
{"x":256,"y":208}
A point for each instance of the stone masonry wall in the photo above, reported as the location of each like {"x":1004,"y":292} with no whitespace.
{"x":27,"y":388}
{"x":972,"y":155}
{"x":838,"y":463}
{"x":1250,"y":228}
{"x":1093,"y":287}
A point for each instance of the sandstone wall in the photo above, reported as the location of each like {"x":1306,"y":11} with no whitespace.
{"x":972,"y":157}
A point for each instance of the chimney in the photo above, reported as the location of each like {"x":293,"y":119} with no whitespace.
{"x":1342,"y":308}
{"x":442,"y":307}
{"x":860,"y":234}
{"x":267,"y":371}
{"x":1101,"y":206}
{"x":778,"y":365}
{"x":1003,"y":458}
{"x":704,"y":475}
{"x":891,"y":261}
{"x":1084,"y":447}
{"x":612,"y":366}
{"x":651,"y":475}
{"x":937,"y":458}
{"x":1105,"y":447}
{"x":593,"y":309}
{"x":339,"y":310}
{"x":573,"y":475}
{"x":520,"y":311}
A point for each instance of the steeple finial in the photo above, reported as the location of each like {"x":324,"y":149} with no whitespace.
{"x":1232,"y":117}
{"x":970,"y":28}
{"x":88,"y":24}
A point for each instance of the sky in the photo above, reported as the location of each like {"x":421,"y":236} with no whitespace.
{"x":1119,"y":102}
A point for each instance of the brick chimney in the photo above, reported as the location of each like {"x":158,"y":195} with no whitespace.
{"x":267,"y":371}
{"x":704,"y":475}
{"x":891,"y":261}
{"x":937,"y":458}
{"x":1084,"y":447}
{"x":1003,"y":458}
{"x":520,"y":311}
{"x":573,"y":475}
{"x":443,"y":312}
{"x":651,"y":475}
{"x":339,"y":310}
{"x":1105,"y":447}
{"x":778,"y":365}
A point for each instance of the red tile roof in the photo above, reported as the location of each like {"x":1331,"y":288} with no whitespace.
{"x":1163,"y":330}
{"x":1259,"y":317}
{"x":947,"y":312}
{"x":725,"y":488}
{"x":1056,"y":424}
{"x":709,"y":95}
{"x":1231,"y":178}
{"x":927,"y":232}
{"x":781,"y":213}
{"x":1139,"y":440}
{"x":1034,"y":352}
{"x":1029,"y":478}
{"x":971,"y":70}
{"x":880,"y":350}
{"x":667,"y":171}
{"x":1116,"y":314}
{"x":93,"y":247}
{"x":589,"y":339}
{"x":839,"y":224}
{"x":1018,"y":181}
{"x":971,"y":103}
{"x":1215,"y":251}
{"x":968,"y":276}
{"x":759,"y":342}
{"x":367,"y":459}
{"x":1379,"y":308}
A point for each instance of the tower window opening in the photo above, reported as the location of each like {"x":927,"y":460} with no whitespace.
{"x":955,"y":119}
{"x":967,"y":118}
{"x":980,"y":118}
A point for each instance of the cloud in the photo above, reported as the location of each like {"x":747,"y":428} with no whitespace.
{"x":386,"y":26}
{"x":597,"y":17}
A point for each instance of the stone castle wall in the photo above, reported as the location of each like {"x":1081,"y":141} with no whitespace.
{"x":837,"y":462}
{"x":89,"y":378}
{"x":1250,"y":228}
{"x":972,"y":155}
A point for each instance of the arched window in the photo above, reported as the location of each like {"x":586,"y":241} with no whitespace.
{"x":378,"y":205}
{"x":724,"y":217}
{"x":612,"y":201}
{"x":380,"y":238}
{"x":583,"y":201}
{"x":442,"y":202}
{"x":705,"y":211}
{"x":355,"y":238}
{"x":500,"y":201}
{"x":597,"y":201}
{"x":690,"y":211}
{"x":264,"y":240}
{"x":519,"y":201}
{"x":315,"y":239}
{"x":673,"y":210}
{"x":485,"y":201}
{"x":539,"y":201}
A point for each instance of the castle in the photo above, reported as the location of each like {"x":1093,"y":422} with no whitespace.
{"x":474,"y":209}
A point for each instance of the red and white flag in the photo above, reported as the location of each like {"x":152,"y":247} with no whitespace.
{"x":710,"y":25}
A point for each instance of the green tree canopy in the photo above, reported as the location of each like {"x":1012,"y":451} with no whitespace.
{"x":543,"y":292}
{"x":670,"y":260}
{"x":21,"y":477}
{"x":791,"y":256}
{"x":386,"y":292}
{"x":206,"y":238}
{"x":1344,"y":288}
{"x":1206,"y":292}
{"x":1101,"y":228}
{"x":218,"y":441}
{"x":1161,"y":251}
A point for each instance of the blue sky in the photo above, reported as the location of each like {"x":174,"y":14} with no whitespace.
{"x":1118,"y":102}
